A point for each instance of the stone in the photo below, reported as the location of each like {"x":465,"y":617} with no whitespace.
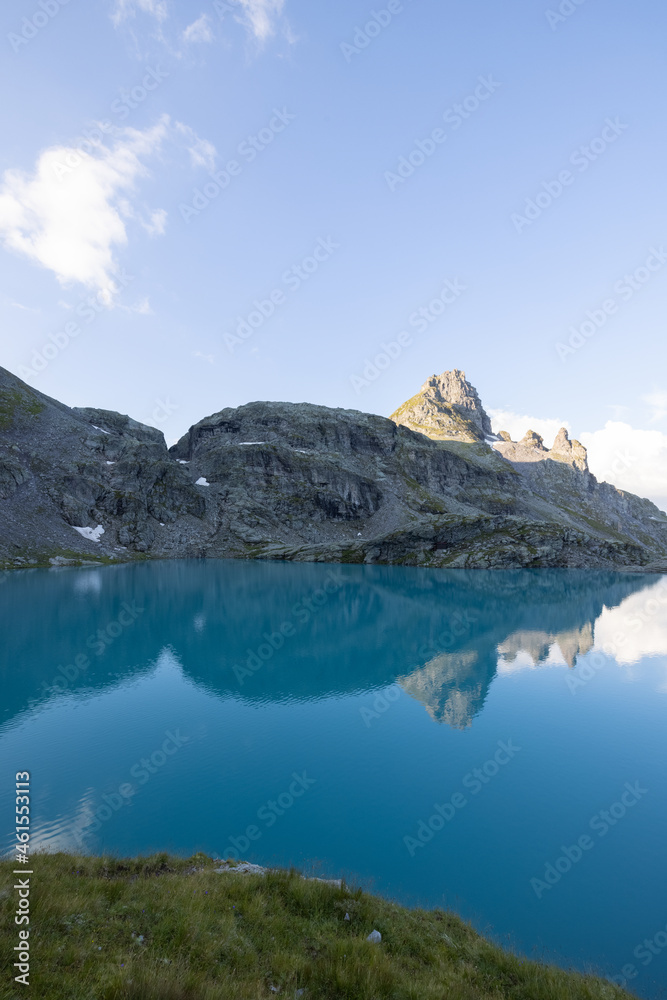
{"x":532,"y":440}
{"x":374,"y":937}
{"x":303,"y":482}
{"x":447,"y":407}
{"x":572,"y":452}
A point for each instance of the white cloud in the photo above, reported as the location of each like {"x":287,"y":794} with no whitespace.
{"x":658,"y":404}
{"x":140,"y":308}
{"x":19,"y":305}
{"x":67,"y":216}
{"x":199,"y":30}
{"x":157,"y":223}
{"x":70,"y":215}
{"x":202,"y":152}
{"x":633,"y":460}
{"x":260,"y":15}
{"x":128,"y":8}
{"x":637,"y":628}
{"x":517,"y":425}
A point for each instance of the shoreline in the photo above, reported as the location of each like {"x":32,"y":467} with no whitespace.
{"x":166,"y":928}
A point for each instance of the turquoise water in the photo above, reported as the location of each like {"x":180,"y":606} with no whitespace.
{"x":440,"y":736}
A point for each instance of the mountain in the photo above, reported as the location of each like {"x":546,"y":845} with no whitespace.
{"x":306,"y":482}
{"x":447,"y":407}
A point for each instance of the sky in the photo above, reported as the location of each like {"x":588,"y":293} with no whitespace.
{"x":208,"y":203}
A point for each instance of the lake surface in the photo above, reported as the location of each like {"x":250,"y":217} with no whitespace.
{"x":492,"y":742}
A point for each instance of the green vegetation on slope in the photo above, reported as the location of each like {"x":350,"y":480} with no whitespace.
{"x":165,"y":928}
{"x":15,"y":403}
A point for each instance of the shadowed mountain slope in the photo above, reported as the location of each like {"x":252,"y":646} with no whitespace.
{"x":303,"y":482}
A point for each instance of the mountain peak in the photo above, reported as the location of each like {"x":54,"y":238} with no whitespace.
{"x":446,"y":407}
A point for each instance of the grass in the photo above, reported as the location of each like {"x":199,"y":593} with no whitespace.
{"x":166,"y":928}
{"x":17,"y":402}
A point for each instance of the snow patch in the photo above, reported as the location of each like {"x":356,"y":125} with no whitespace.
{"x":111,"y":463}
{"x":181,"y":461}
{"x":101,"y":429}
{"x":243,"y":444}
{"x":92,"y":534}
{"x":202,"y":482}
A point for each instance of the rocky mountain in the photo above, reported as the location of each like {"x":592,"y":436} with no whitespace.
{"x":306,"y":482}
{"x":447,"y":407}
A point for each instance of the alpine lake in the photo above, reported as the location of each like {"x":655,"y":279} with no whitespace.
{"x":490,"y":742}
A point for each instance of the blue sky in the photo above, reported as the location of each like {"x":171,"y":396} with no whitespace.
{"x":514,"y":153}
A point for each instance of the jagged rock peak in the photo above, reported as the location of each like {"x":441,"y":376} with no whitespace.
{"x":532,"y":440}
{"x":447,"y":407}
{"x":531,"y":449}
{"x":573,"y":451}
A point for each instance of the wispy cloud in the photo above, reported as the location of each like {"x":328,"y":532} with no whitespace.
{"x":157,"y":223}
{"x":124,"y":9}
{"x":141,"y":308}
{"x":202,"y":152}
{"x":199,"y":30}
{"x":260,"y":16}
{"x":70,"y":214}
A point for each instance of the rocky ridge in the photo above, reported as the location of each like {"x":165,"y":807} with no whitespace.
{"x":447,"y":407}
{"x":306,"y":482}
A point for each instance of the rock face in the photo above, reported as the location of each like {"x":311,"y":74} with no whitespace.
{"x":304,"y":482}
{"x":447,"y":407}
{"x":531,"y":449}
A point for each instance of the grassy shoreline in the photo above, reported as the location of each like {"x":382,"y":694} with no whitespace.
{"x":167,"y":928}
